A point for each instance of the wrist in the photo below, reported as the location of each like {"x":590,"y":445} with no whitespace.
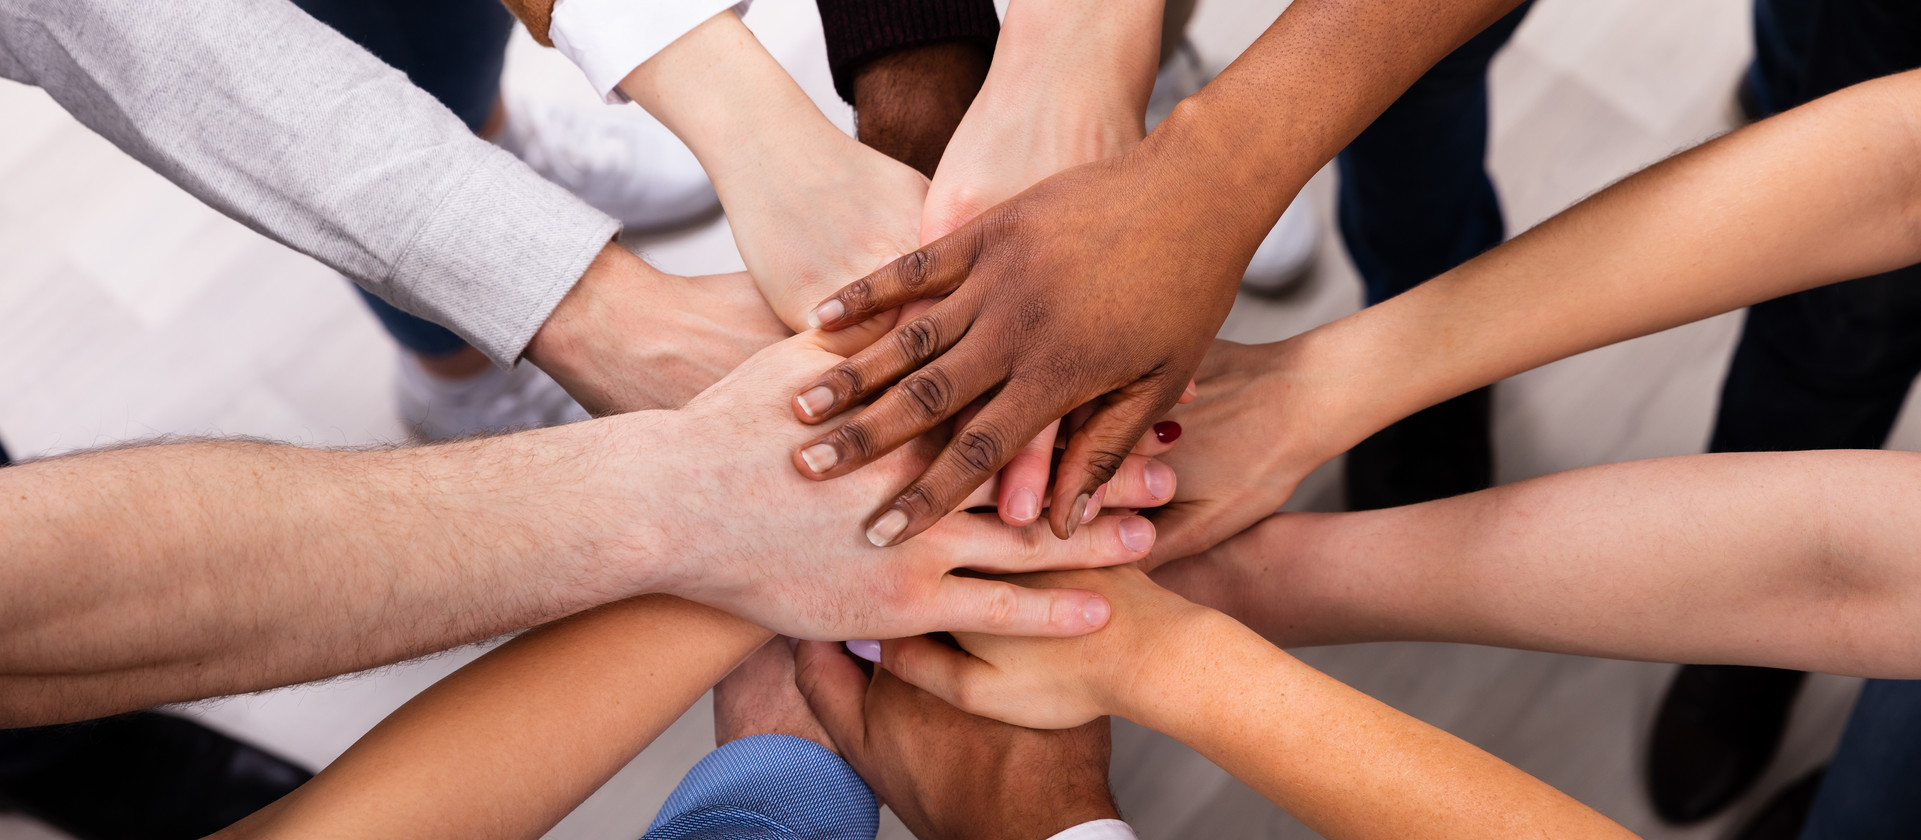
{"x":908,"y":103}
{"x":1190,"y":657}
{"x":723,"y":95}
{"x":618,"y":297}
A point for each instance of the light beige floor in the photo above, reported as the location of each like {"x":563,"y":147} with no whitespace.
{"x":129,"y":310}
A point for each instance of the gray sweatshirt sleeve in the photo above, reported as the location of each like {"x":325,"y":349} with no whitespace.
{"x":278,"y":121}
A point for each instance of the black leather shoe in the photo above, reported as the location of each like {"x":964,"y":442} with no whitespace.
{"x":1784,"y":815}
{"x":145,"y":775}
{"x":1716,"y":731}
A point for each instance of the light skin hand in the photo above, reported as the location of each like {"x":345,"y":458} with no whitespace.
{"x":1255,"y":429}
{"x":1343,"y":763}
{"x":793,"y":568}
{"x":950,"y":775}
{"x":810,"y":207}
{"x":629,"y":337}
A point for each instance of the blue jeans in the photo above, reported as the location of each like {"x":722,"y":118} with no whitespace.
{"x":452,"y":49}
{"x":1872,"y":789}
{"x":1415,"y":201}
{"x":769,"y":787}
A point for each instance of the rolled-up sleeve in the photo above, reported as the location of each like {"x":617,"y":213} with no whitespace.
{"x":278,"y":121}
{"x":769,"y":786}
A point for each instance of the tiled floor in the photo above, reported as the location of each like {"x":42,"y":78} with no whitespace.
{"x":129,"y":310}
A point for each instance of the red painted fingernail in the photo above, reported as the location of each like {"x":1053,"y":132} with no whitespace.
{"x":1167,"y":431}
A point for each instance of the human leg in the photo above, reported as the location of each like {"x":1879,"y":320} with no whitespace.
{"x":1415,"y":201}
{"x":1824,"y":369}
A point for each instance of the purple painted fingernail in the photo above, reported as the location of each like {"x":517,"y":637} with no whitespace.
{"x":867,"y":649}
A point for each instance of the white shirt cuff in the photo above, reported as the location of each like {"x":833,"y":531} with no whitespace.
{"x":1097,"y":830}
{"x":607,"y":39}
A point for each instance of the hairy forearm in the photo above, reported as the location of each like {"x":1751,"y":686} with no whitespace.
{"x":1804,"y":560}
{"x":508,"y":745}
{"x":1819,"y":194}
{"x":1343,"y":763}
{"x":157,"y":574}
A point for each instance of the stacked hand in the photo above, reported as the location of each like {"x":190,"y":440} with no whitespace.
{"x":793,"y":560}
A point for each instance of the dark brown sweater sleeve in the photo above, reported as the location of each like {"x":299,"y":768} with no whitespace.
{"x":859,"y":31}
{"x":538,"y":15}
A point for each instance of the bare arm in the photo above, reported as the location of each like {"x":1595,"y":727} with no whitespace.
{"x":149,"y":575}
{"x":1807,"y":560}
{"x":508,"y":745}
{"x":1343,"y":763}
{"x":811,"y":207}
{"x":1110,"y":323}
{"x":1822,"y":193}
{"x":169,"y":573}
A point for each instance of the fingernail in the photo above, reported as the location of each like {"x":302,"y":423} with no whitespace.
{"x":1191,"y":391}
{"x":1077,"y":514}
{"x":1024,"y":506}
{"x":820,"y":398}
{"x":826,"y":313}
{"x":820,"y":457}
{"x":1137,"y":534}
{"x":1166,"y":431}
{"x":887,"y":528}
{"x":1094,"y":612}
{"x":869,"y":649}
{"x":1094,"y":505}
{"x":1159,"y":478}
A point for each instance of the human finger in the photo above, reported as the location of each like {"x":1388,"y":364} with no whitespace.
{"x":1023,"y":482}
{"x":1098,"y":449}
{"x":974,"y":605}
{"x":901,"y":352}
{"x":935,"y":269}
{"x":836,"y":690}
{"x":919,"y":403}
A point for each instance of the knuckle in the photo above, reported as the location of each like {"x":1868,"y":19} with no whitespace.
{"x":857,"y":441}
{"x":1104,"y":462}
{"x":858,"y":296}
{"x":918,"y":502}
{"x":918,"y":340}
{"x":849,"y":378}
{"x":980,"y":447}
{"x":1000,"y":610}
{"x":914,"y":270}
{"x":932,"y":391}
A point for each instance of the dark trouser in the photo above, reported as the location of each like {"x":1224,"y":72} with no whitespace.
{"x":1872,"y":790}
{"x":1415,"y":201}
{"x":1829,"y":368}
{"x":452,"y":49}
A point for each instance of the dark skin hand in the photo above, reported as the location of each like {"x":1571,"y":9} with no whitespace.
{"x":1101,"y":328}
{"x":1107,"y":282}
{"x":950,"y":775}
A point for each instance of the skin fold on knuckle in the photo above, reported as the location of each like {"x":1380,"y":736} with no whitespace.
{"x":932,"y":392}
{"x":918,"y":340}
{"x":981,"y":447}
{"x":855,"y":440}
{"x":858,"y":297}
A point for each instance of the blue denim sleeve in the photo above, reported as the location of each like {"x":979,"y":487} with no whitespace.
{"x":769,"y":786}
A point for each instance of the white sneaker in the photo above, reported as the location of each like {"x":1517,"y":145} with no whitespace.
{"x":617,"y":158}
{"x":1286,"y":257}
{"x":436,"y":409}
